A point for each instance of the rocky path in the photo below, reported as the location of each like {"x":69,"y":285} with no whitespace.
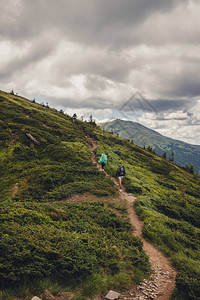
{"x":162,"y":281}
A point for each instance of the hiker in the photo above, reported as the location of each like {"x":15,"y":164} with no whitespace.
{"x":121,"y":172}
{"x":74,"y":117}
{"x":103,"y":161}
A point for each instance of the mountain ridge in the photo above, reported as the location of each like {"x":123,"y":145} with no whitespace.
{"x":143,"y":136}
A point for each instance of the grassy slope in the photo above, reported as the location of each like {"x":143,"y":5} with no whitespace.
{"x":44,"y":238}
{"x":41,"y":170}
{"x":168,"y":196}
{"x":169,"y":204}
{"x":142,"y":136}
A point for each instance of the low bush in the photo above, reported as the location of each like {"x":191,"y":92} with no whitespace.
{"x":189,"y":285}
{"x":77,"y":240}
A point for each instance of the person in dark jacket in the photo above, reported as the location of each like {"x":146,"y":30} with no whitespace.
{"x":74,"y":117}
{"x":121,"y":172}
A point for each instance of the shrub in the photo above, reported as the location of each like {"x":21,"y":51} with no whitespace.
{"x":130,"y":187}
{"x":72,"y":240}
{"x":189,"y":284}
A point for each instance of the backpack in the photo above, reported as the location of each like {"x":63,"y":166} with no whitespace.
{"x":103,"y":159}
{"x":121,"y":171}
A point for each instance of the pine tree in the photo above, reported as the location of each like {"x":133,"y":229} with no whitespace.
{"x":171,"y":157}
{"x":191,"y":169}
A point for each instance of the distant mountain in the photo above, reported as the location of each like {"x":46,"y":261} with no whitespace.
{"x":184,"y":153}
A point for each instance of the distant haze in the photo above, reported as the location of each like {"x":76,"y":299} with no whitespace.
{"x":137,"y":60}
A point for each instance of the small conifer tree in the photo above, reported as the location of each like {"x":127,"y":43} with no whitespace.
{"x":191,"y":169}
{"x":171,"y":157}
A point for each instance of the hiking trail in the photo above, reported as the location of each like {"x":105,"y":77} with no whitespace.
{"x":162,"y":282}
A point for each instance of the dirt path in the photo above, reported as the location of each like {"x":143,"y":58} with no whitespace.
{"x":162,"y":281}
{"x":14,"y":189}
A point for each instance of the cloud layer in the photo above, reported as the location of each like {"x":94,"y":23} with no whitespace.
{"x":97,"y":55}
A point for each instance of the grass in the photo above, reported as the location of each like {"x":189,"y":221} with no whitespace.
{"x":168,"y":203}
{"x":42,"y":236}
{"x":55,"y":168}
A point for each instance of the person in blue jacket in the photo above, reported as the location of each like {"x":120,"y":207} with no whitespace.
{"x":103,"y":161}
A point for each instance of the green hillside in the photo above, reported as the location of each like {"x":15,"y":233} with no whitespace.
{"x":46,"y":241}
{"x":184,"y":154}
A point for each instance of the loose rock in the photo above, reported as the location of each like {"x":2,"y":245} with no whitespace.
{"x":112,"y":295}
{"x":36,"y":298}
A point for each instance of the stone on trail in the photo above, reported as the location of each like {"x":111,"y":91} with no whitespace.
{"x":36,"y":298}
{"x":48,"y":295}
{"x":60,"y":296}
{"x":112,"y":295}
{"x":64,"y":296}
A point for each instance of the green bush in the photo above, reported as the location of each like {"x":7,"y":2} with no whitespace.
{"x":130,"y":187}
{"x":72,"y":240}
{"x":189,"y":285}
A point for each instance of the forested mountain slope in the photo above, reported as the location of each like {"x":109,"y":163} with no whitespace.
{"x":45,"y":159}
{"x":184,"y":153}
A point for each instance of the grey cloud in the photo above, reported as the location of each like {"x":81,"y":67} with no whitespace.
{"x":101,"y":29}
{"x":39,"y":49}
{"x":96,"y":83}
{"x":90,"y":102}
{"x":94,"y":21}
{"x":158,"y":106}
{"x":110,"y":68}
{"x":139,"y":102}
{"x":98,"y":63}
{"x":135,"y":103}
{"x":186,"y":83}
{"x":170,"y":105}
{"x":4,"y":75}
{"x":188,"y":86}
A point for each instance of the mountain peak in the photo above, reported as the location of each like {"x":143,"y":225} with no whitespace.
{"x":185,"y":154}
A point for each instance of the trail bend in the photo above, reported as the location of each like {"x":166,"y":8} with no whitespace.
{"x":162,"y":282}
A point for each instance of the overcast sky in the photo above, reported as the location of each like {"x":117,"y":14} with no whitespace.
{"x":132,"y":59}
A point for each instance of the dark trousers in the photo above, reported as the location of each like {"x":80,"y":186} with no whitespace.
{"x":103,"y":165}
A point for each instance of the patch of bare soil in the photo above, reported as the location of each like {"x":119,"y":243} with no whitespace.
{"x":14,"y":190}
{"x":45,"y":126}
{"x":162,"y":282}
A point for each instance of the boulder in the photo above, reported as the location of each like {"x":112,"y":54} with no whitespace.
{"x":32,"y":138}
{"x":112,"y":295}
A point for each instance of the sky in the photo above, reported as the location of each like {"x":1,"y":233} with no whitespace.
{"x":137,"y":60}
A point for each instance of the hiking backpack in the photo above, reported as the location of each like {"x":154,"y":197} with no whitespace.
{"x":121,"y":171}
